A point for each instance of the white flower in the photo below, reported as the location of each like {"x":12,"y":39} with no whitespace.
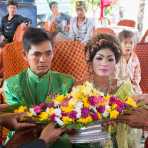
{"x":105,"y":114}
{"x":78,"y":113}
{"x":32,"y":111}
{"x":58,"y":112}
{"x":79,"y":105}
{"x":107,"y":107}
{"x":59,"y":121}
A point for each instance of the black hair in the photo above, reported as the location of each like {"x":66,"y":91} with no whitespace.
{"x":125,"y":34}
{"x":11,"y":2}
{"x":101,"y":41}
{"x":35,"y":36}
{"x":52,"y":3}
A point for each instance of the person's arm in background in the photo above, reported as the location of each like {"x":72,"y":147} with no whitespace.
{"x":90,"y":28}
{"x":2,"y":37}
{"x":71,"y":30}
{"x":67,"y":25}
{"x":25,"y":20}
{"x":137,"y":76}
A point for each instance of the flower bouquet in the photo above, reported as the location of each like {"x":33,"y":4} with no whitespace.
{"x":83,"y":108}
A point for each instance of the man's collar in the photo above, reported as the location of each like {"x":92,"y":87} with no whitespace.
{"x":35,"y":77}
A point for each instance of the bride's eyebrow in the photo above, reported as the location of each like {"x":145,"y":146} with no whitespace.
{"x":103,"y":55}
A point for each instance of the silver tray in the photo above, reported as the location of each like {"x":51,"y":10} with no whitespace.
{"x":90,"y":134}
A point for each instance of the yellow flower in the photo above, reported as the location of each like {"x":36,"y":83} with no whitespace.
{"x":66,"y":109}
{"x":77,"y":92}
{"x":50,"y":111}
{"x":72,"y":102}
{"x":114,"y":106}
{"x":43,"y":116}
{"x":85,"y":120}
{"x":99,"y":116}
{"x":131,"y":102}
{"x":67,"y":120}
{"x":29,"y":114}
{"x":95,"y":92}
{"x":48,"y":99}
{"x":114,"y":114}
{"x":85,"y":102}
{"x":59,"y":98}
{"x":21,"y":109}
{"x":106,"y":97}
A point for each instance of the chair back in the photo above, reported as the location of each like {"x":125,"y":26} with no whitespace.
{"x":13,"y":59}
{"x":104,"y":30}
{"x":69,"y":58}
{"x":18,"y":36}
{"x":126,"y":22}
{"x":142,"y":53}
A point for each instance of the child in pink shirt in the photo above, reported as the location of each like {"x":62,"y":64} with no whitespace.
{"x":128,"y":67}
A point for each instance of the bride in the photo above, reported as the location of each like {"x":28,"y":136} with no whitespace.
{"x":103,"y":53}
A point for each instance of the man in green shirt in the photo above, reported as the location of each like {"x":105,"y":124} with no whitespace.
{"x":33,"y":85}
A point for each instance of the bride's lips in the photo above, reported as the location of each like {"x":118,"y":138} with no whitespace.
{"x":104,"y":70}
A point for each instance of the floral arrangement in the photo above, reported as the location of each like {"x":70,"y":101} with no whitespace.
{"x":83,"y":105}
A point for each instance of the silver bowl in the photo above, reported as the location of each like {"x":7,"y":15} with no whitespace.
{"x":90,"y":134}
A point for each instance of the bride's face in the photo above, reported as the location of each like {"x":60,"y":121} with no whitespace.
{"x":104,"y":62}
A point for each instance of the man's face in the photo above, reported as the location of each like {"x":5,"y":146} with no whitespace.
{"x":54,"y":8}
{"x":12,"y":10}
{"x":39,"y":57}
{"x":80,"y":12}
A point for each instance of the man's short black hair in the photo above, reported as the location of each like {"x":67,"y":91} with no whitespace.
{"x":11,"y":2}
{"x":34,"y":36}
{"x":52,"y":3}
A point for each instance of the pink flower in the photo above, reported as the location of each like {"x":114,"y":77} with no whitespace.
{"x":37,"y":109}
{"x":43,"y":105}
{"x":100,"y":99}
{"x":85,"y":112}
{"x":93,"y":100}
{"x":64,"y":114}
{"x":101,"y":109}
{"x":51,"y":104}
{"x":52,"y":117}
{"x":73,"y":114}
{"x":94,"y":116}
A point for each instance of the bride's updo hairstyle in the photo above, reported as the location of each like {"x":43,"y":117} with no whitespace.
{"x":100,"y":42}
